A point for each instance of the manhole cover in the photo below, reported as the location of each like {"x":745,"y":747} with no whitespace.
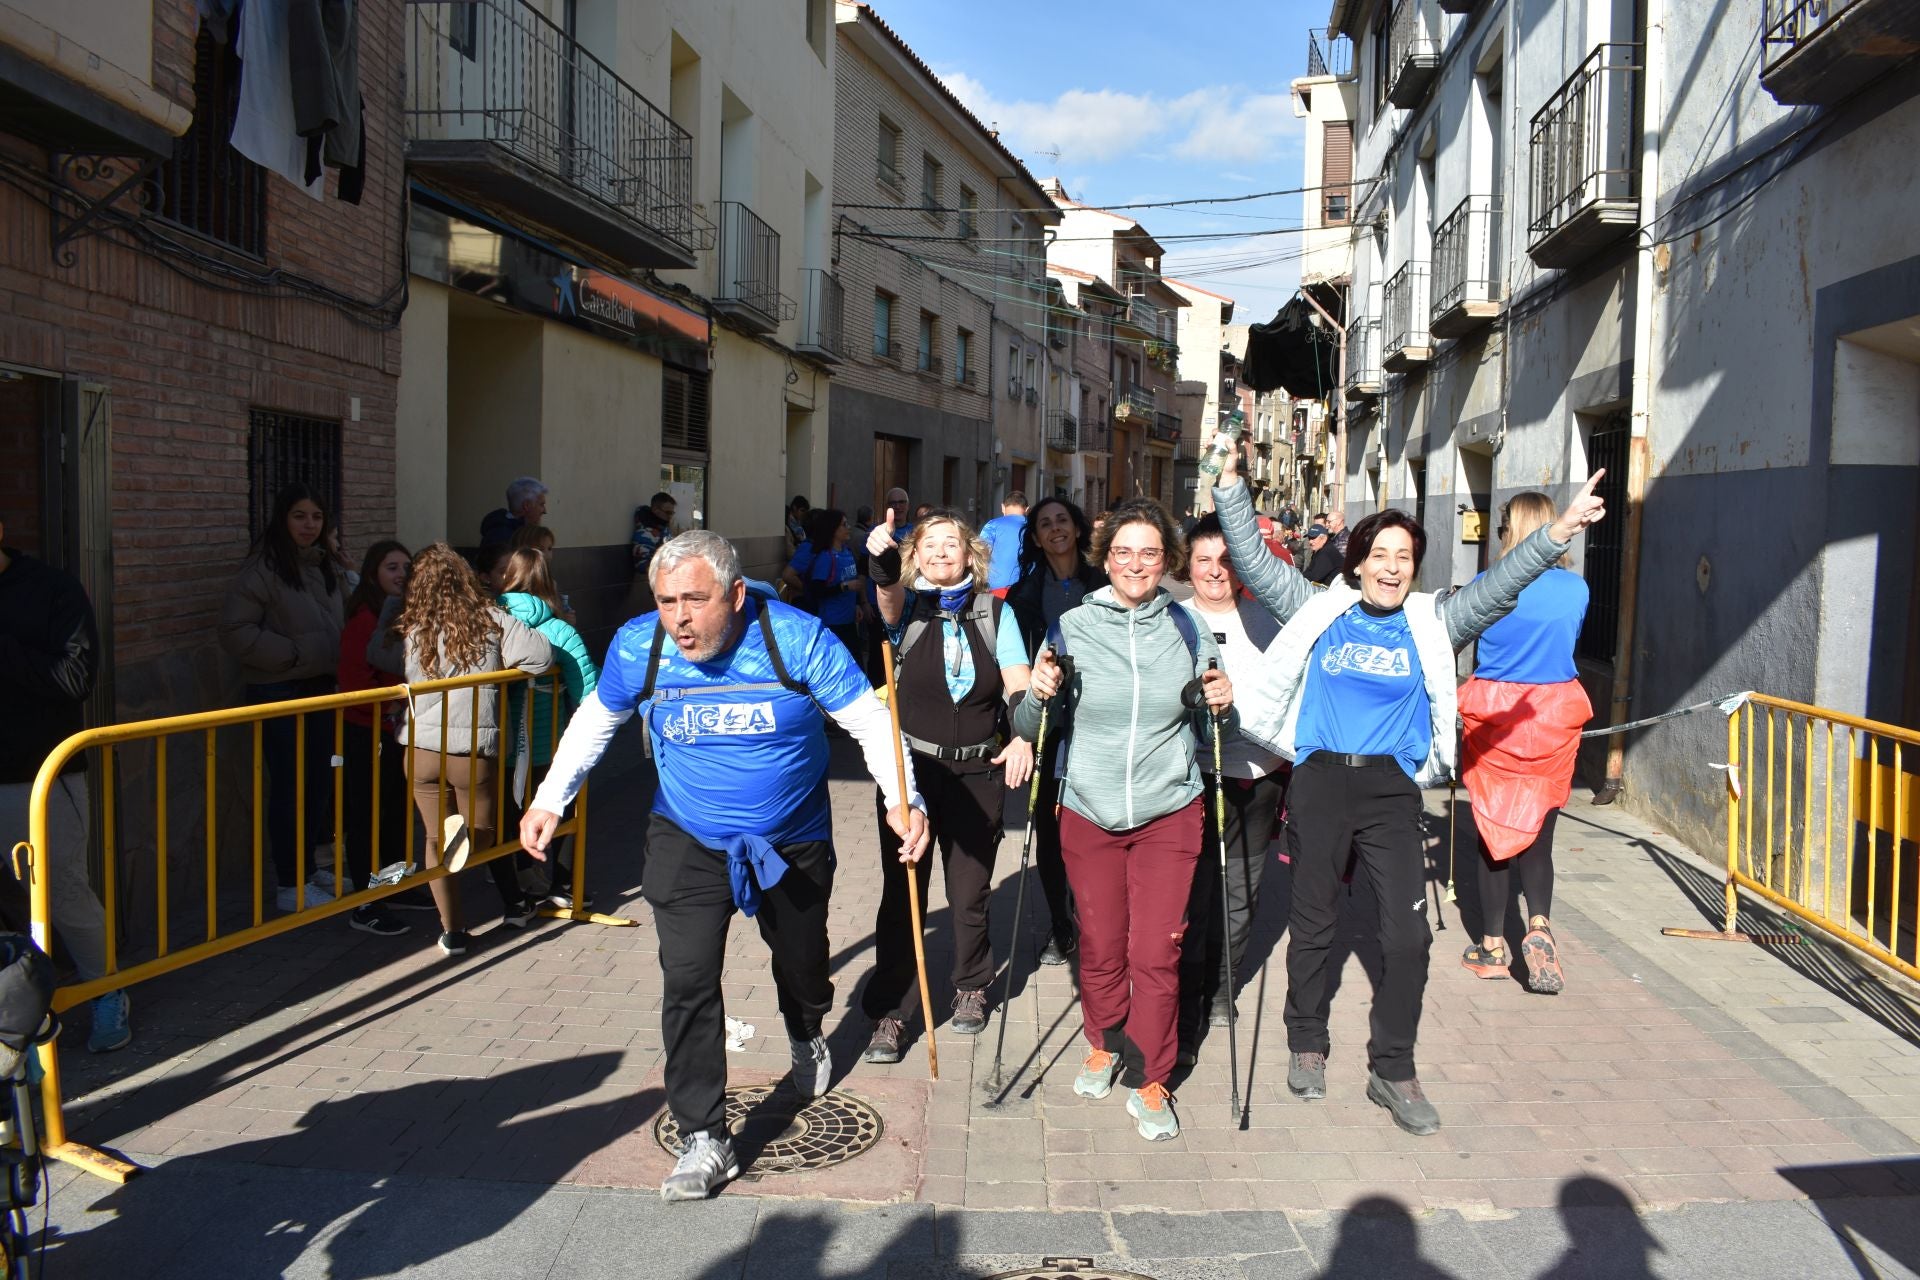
{"x":776,"y":1131}
{"x":1067,"y":1269}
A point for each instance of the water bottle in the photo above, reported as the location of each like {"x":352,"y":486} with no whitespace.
{"x":1225,"y":441}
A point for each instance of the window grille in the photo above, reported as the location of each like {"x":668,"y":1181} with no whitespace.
{"x":207,"y":187}
{"x":284,"y":449}
{"x":684,"y":411}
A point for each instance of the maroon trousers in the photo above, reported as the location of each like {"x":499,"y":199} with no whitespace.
{"x":1130,"y":889}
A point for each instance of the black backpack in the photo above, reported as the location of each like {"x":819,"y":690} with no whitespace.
{"x":26,"y":991}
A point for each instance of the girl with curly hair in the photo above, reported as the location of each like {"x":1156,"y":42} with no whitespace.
{"x":446,"y":626}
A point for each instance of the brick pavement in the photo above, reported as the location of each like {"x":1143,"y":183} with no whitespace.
{"x":1670,"y":1073}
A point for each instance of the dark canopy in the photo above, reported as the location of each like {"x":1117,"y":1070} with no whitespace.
{"x":1293,"y":353}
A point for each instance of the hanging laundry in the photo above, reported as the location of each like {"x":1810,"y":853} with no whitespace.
{"x":263,"y":127}
{"x":326,"y":81}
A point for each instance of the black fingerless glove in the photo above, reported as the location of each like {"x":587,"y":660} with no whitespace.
{"x":884,"y":568}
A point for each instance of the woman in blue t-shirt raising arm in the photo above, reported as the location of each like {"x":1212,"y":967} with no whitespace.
{"x":1358,"y":690}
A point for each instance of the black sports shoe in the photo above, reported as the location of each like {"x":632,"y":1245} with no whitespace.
{"x":1406,"y":1102}
{"x":1058,"y":949}
{"x":522,"y":913}
{"x":373,"y":918}
{"x":455,"y":944}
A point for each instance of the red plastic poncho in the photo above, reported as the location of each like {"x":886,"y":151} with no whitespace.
{"x":1518,"y":754}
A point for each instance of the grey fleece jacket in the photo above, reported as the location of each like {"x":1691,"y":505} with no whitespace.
{"x":1467,"y":612}
{"x":466,"y":719}
{"x":1133,"y":756}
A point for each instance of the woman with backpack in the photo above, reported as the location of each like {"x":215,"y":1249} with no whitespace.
{"x":960,"y":661}
{"x":823,"y":578}
{"x":1055,"y":576}
{"x":444,"y":627}
{"x":528,"y":594}
{"x":281,"y":621}
{"x":1143,"y":685}
{"x":1358,"y":690}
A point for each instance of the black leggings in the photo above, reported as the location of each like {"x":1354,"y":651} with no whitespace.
{"x":1535,"y":864}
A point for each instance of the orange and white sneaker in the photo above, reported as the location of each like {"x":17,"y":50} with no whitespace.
{"x":1152,"y":1111}
{"x":1096,"y":1074}
{"x":1486,"y":962}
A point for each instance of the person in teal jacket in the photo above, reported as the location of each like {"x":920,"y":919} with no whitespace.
{"x":528,"y":594}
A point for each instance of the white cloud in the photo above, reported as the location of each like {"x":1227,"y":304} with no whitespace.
{"x":1090,"y":126}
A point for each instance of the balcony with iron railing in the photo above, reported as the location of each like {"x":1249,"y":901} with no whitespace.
{"x":1329,"y":54}
{"x":1408,"y":304}
{"x":1063,"y":433}
{"x":1816,"y":52}
{"x":1469,"y":287}
{"x":1413,"y":54}
{"x":1166,"y":428}
{"x":1583,"y":159}
{"x":822,"y":313}
{"x":1134,"y":405}
{"x":1363,"y":358}
{"x":747,"y":283}
{"x":508,"y":113}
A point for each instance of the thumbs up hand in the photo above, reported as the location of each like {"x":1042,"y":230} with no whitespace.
{"x":880,"y":537}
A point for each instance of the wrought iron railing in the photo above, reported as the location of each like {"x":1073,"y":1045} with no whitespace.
{"x":1467,"y":265}
{"x":500,"y":72}
{"x":1784,"y":24}
{"x":822,"y":313}
{"x":1363,"y":352}
{"x":1167,"y":427}
{"x":1407,"y":308}
{"x":1143,"y":315}
{"x":1135,"y":404}
{"x":1583,"y":142}
{"x":749,"y":263}
{"x":1329,"y":54}
{"x":1410,"y":39}
{"x":1063,"y":433}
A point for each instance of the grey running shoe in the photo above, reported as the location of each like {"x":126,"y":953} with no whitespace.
{"x":969,"y":1012}
{"x":706,"y":1162}
{"x":1406,"y":1102}
{"x":812,"y":1067}
{"x":1096,"y":1074}
{"x":1307,"y":1075}
{"x":1152,"y":1112}
{"x":888,"y":1034}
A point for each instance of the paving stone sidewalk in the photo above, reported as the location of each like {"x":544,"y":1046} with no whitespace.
{"x":1677,"y":1089}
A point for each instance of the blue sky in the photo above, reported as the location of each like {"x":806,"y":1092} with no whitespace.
{"x":1144,"y":102}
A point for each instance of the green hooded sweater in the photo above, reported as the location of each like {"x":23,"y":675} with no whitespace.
{"x":578,"y":674}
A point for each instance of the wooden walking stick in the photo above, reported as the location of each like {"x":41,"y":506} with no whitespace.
{"x":913,"y":879}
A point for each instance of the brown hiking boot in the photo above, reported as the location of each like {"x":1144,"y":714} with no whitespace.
{"x":888,"y":1033}
{"x":969,"y":1012}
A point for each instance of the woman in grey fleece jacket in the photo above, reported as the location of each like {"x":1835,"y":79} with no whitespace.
{"x":1131,"y":812}
{"x":1358,"y":690}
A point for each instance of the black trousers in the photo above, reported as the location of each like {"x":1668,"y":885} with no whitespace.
{"x":356,"y":800}
{"x":1048,"y":858}
{"x":964,"y":813}
{"x":686,"y":884}
{"x":1535,"y":865}
{"x":1374,"y":812}
{"x":1253,"y":815}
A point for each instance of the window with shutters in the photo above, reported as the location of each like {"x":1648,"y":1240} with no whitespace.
{"x":207,"y":187}
{"x":684,"y":413}
{"x":1336,"y":173}
{"x":284,"y":449}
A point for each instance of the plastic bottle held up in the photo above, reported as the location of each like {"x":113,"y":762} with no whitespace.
{"x":1225,"y":441}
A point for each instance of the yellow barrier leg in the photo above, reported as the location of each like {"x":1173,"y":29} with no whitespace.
{"x":580,"y":877}
{"x":53,"y":1128}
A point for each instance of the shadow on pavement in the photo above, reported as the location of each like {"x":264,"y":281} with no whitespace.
{"x":327,"y":1189}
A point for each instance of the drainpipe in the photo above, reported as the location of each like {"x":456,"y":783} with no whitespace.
{"x":1339,"y":400}
{"x":1652,"y":55}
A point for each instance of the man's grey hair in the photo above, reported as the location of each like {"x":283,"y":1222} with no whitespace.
{"x":696,"y":544}
{"x":523,"y":491}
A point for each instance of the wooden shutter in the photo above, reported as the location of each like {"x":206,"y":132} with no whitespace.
{"x":1336,"y":172}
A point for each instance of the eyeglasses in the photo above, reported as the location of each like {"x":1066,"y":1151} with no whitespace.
{"x":1146,"y":557}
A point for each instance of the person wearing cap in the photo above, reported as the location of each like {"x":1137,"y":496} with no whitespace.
{"x":1323,"y":562}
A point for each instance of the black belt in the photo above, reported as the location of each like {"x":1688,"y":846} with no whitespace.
{"x":1352,"y":762}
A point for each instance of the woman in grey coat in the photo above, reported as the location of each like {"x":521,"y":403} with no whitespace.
{"x":447,"y":625}
{"x":1358,"y":690}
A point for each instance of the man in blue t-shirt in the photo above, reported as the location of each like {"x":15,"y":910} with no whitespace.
{"x":1002,"y":535}
{"x":735,"y":688}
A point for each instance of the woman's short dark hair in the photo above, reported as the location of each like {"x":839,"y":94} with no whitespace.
{"x":1360,"y":540}
{"x":1207,"y":526}
{"x":1031,"y":556}
{"x":821,"y":524}
{"x":1148,"y":512}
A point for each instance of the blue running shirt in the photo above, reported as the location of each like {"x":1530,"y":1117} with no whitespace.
{"x":1534,"y":643}
{"x":1002,"y":535}
{"x":1366,"y":694}
{"x":739,"y":760}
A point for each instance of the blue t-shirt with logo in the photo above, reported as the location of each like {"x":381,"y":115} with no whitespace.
{"x":739,"y":759}
{"x":1365,"y":693}
{"x":1534,"y":643}
{"x":823,"y":575}
{"x":1002,"y":536}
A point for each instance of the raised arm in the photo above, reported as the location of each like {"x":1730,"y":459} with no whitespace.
{"x":1276,"y":584}
{"x":883,"y":567}
{"x":1490,"y":597}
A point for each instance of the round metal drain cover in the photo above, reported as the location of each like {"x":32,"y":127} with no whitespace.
{"x":1067,"y":1269}
{"x":776,"y":1131}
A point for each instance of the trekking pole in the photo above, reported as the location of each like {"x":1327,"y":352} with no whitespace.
{"x":913,"y":878}
{"x":995,"y":1082}
{"x":1226,"y":908}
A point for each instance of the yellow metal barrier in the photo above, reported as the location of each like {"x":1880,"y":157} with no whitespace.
{"x":29,"y":856}
{"x":1822,"y":815}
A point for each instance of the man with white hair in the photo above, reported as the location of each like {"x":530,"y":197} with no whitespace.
{"x":526,"y":504}
{"x":735,"y":709}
